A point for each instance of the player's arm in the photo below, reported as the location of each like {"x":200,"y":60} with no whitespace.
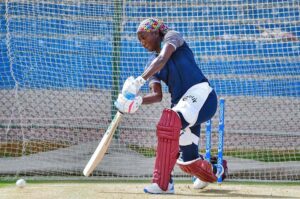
{"x":132,"y":86}
{"x":159,"y":62}
{"x":173,"y":40}
{"x":155,"y":94}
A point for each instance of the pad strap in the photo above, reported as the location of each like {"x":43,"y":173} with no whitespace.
{"x":202,"y":169}
{"x":168,"y":131}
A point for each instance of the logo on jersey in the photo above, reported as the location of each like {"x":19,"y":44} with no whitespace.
{"x":190,"y":97}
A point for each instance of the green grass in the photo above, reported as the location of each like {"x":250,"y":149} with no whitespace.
{"x":16,"y":149}
{"x":4,"y":185}
{"x":267,"y":155}
{"x":259,"y":155}
{"x":145,"y":151}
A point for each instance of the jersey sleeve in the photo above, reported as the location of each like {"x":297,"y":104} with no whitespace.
{"x":154,"y":78}
{"x":174,"y":38}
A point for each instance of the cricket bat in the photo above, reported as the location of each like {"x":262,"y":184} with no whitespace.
{"x":103,"y":145}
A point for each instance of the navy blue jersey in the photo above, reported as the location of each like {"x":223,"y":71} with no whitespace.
{"x":180,"y":72}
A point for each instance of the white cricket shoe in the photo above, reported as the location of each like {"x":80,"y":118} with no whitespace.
{"x":199,"y":184}
{"x":155,"y":189}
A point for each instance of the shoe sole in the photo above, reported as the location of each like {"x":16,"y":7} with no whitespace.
{"x":146,"y":191}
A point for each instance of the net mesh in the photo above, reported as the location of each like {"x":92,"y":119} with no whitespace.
{"x":63,"y":63}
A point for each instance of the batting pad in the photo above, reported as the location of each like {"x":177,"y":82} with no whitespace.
{"x":168,"y":130}
{"x":202,"y":169}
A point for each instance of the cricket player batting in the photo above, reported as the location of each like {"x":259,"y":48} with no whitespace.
{"x":193,"y":101}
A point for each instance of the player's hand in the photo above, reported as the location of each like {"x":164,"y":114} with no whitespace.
{"x":128,"y":105}
{"x":132,"y":86}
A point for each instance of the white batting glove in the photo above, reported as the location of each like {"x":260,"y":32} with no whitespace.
{"x":132,"y":86}
{"x":128,"y":106}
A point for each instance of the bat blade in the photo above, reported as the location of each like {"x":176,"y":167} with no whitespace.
{"x":103,"y":145}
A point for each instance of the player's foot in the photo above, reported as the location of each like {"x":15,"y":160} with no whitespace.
{"x":199,"y":184}
{"x":155,"y":189}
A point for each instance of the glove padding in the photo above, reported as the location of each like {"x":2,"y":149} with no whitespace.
{"x":132,"y":86}
{"x":127,"y":105}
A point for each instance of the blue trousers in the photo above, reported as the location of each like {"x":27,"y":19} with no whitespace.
{"x":189,"y":137}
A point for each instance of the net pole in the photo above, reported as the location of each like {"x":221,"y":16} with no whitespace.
{"x":117,"y":22}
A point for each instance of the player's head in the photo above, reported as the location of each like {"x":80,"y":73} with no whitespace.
{"x":152,"y":24}
{"x":150,"y":33}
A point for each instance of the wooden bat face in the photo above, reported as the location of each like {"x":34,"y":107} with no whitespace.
{"x":103,"y":145}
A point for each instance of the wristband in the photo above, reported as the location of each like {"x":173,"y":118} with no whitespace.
{"x":140,"y":81}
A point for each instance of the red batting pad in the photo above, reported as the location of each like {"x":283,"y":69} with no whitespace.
{"x":201,"y":169}
{"x":168,"y":131}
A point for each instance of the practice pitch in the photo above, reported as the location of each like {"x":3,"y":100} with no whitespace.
{"x":134,"y":190}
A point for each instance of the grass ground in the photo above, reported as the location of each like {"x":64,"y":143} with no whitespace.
{"x":16,"y":149}
{"x":134,"y":190}
{"x":259,"y":155}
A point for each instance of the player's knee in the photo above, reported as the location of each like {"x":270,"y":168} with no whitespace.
{"x":188,"y":138}
{"x":169,"y":125}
